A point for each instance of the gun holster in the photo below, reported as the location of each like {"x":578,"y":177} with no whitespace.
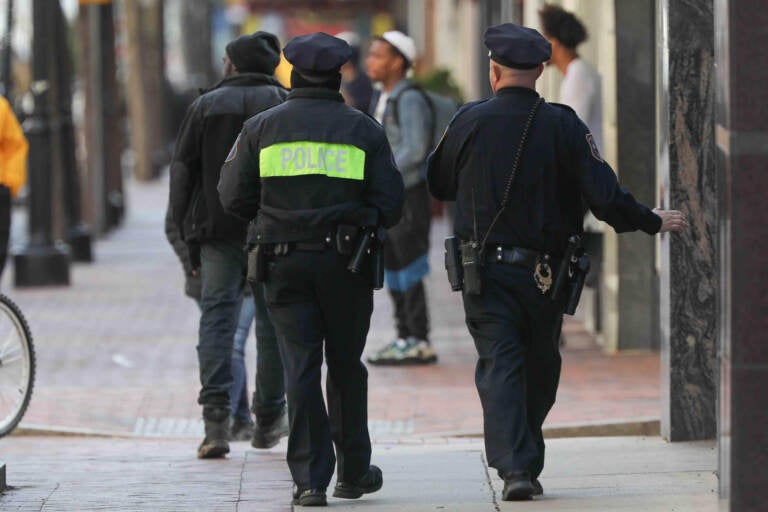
{"x":453,"y":264}
{"x":257,"y":264}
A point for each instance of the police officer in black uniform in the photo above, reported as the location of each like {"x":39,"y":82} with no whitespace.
{"x":512,"y":315}
{"x":310,"y":171}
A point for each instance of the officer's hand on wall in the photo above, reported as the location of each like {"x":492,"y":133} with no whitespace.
{"x":671,"y":220}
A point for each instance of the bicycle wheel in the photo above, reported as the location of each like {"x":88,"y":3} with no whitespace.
{"x":17,"y":365}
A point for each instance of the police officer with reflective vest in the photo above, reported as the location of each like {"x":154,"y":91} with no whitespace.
{"x":521,"y":171}
{"x":314,"y":172}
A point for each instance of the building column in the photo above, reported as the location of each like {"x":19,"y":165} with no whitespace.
{"x":742,"y":151}
{"x":687,"y":181}
{"x":637,"y":296}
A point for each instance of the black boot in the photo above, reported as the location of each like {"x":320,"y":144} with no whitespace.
{"x":215,"y":445}
{"x":267,"y":434}
{"x":370,"y":481}
{"x":517,"y":486}
{"x":309,"y":497}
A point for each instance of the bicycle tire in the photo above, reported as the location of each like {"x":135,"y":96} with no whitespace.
{"x":20,"y":323}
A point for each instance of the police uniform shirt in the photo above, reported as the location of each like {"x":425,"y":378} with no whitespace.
{"x":307,"y":166}
{"x":561,"y":171}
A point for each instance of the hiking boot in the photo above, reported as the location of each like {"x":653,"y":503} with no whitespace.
{"x":370,"y":482}
{"x":402,"y":352}
{"x":269,"y":434}
{"x":517,"y":486}
{"x":538,"y":490}
{"x":215,"y":443}
{"x":240,"y":430}
{"x":309,"y":497}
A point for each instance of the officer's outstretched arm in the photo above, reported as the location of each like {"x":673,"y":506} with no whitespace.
{"x":239,"y":184}
{"x":600,"y":187}
{"x":384,"y":184}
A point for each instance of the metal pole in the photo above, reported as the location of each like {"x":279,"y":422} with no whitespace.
{"x":77,"y":234}
{"x":8,"y":54}
{"x":97,"y":118}
{"x":40,"y":263}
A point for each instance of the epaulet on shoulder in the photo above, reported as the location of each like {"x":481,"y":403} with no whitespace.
{"x":562,"y":106}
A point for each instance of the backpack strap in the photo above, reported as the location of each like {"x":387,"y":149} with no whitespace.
{"x":394,"y":101}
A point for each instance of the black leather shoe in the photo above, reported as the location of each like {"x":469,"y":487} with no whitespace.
{"x":517,"y":486}
{"x":370,"y":482}
{"x":538,"y":490}
{"x":310,"y":498}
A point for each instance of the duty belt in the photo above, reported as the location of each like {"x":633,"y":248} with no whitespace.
{"x":283,"y":248}
{"x":512,"y":256}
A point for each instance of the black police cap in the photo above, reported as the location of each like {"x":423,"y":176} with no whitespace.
{"x":318,"y":54}
{"x":517,"y":47}
{"x":258,"y":52}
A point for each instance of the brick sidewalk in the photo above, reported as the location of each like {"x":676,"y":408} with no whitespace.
{"x":449,"y":475}
{"x":116,"y":350}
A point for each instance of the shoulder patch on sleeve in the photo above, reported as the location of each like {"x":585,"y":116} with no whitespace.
{"x":593,"y":147}
{"x":233,"y":152}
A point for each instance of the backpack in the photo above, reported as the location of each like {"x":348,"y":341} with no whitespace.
{"x":442,"y":109}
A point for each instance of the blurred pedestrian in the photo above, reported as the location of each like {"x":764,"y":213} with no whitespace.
{"x":520,"y":170}
{"x":241,"y":423}
{"x":314,"y":172}
{"x":206,"y":136}
{"x":407,"y":119}
{"x":355,"y":85}
{"x":581,"y":89}
{"x":13,"y":171}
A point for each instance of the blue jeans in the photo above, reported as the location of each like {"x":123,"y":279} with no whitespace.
{"x":223,"y":266}
{"x":238,"y":393}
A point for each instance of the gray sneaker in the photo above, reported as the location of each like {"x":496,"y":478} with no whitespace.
{"x":402,"y":352}
{"x":267,"y":436}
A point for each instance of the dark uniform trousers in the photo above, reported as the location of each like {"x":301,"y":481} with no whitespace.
{"x":312,"y":298}
{"x":516,"y":330}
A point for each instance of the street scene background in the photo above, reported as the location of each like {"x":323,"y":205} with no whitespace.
{"x":113,"y":422}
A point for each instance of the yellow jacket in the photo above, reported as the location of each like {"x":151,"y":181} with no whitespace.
{"x":13,"y":149}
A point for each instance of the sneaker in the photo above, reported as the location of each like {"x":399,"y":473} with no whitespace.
{"x":240,"y":430}
{"x":401,"y":352}
{"x":517,"y":486}
{"x":370,"y":482}
{"x":215,"y":444}
{"x":267,"y":436}
{"x":309,"y":497}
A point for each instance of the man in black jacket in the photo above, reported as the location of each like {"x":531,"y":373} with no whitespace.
{"x":314,"y":170}
{"x":209,"y":129}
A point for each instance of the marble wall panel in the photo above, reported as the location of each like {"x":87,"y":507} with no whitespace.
{"x":688,"y":178}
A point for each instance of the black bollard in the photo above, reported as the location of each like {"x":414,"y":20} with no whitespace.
{"x":77,"y":234}
{"x":40,"y":262}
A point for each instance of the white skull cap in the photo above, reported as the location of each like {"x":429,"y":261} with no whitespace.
{"x":352,"y":38}
{"x":402,"y":42}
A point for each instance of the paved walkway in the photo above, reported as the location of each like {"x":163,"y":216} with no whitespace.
{"x":116,"y":350}
{"x":447,"y":475}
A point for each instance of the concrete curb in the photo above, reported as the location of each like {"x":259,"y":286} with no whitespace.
{"x":627,"y":427}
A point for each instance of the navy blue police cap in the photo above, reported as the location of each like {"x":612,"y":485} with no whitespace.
{"x":517,"y":47}
{"x":317,"y":55}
